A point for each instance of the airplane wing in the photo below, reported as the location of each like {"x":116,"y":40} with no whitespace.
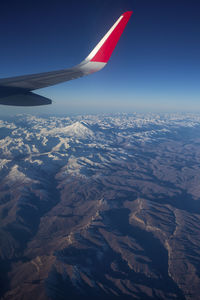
{"x":18,"y":90}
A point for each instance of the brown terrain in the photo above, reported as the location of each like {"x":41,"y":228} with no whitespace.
{"x":105,"y":208}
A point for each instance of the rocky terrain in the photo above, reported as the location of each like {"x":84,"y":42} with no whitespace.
{"x":100,"y":207}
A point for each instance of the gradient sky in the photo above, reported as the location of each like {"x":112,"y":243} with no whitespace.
{"x":155,"y":67}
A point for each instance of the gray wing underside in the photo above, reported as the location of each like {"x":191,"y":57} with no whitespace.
{"x":41,"y":80}
{"x":17,"y":91}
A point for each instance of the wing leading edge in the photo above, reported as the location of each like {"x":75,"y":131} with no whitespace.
{"x":15,"y":88}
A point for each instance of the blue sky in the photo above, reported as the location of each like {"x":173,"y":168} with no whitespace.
{"x":155,"y":67}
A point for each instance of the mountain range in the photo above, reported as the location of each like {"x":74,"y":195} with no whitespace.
{"x":100,"y":206}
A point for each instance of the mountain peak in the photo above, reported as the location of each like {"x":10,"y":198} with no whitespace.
{"x":78,"y":130}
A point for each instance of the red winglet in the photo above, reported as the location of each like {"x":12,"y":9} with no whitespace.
{"x":105,"y":52}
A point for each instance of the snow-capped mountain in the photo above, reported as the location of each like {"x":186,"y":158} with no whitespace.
{"x":100,"y":206}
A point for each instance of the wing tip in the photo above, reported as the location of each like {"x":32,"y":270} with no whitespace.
{"x":128,"y":13}
{"x":104,"y":49}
